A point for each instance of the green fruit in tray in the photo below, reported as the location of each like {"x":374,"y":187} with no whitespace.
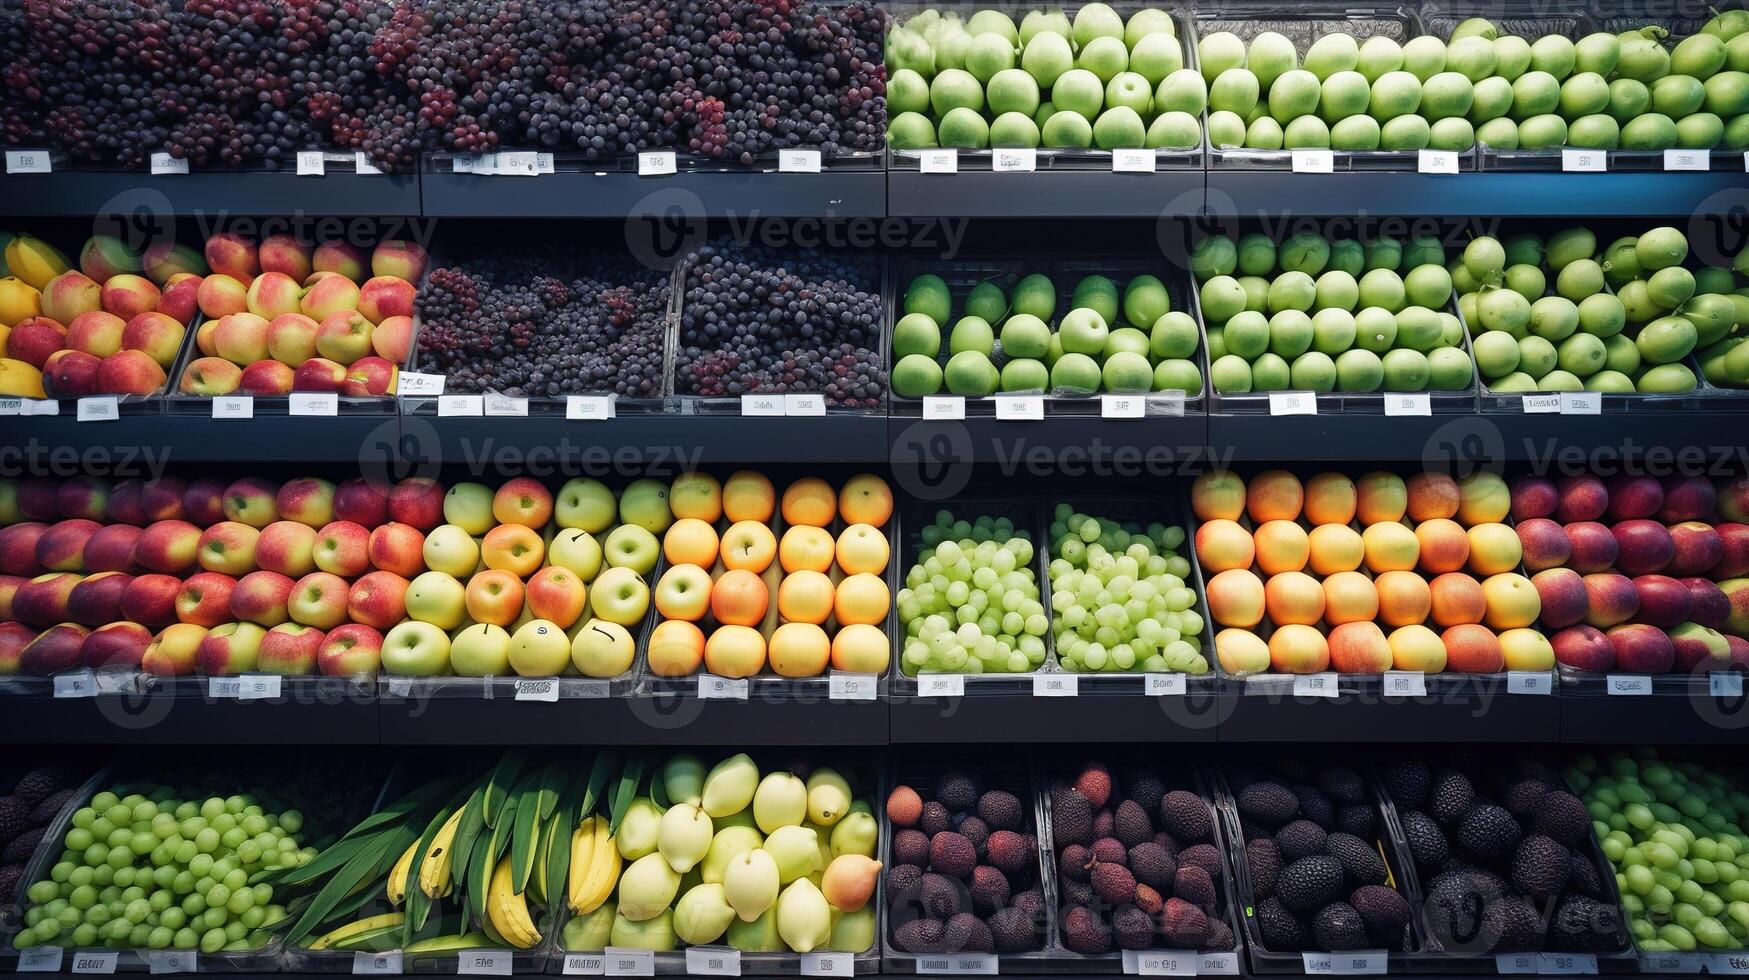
{"x":946,"y":630}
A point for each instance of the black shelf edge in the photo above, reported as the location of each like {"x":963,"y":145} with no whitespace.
{"x":1157,"y":446}
{"x":671,"y":441}
{"x":165,"y":718}
{"x":93,"y":192}
{"x":1044,"y":194}
{"x":634,"y":720}
{"x":623,"y":194}
{"x":1477,"y":716}
{"x":1622,"y":193}
{"x":1653,"y":719}
{"x":1022,"y":717}
{"x":180,"y":439}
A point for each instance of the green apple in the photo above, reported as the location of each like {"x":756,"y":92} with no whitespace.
{"x":1076,"y":373}
{"x":1038,"y":22}
{"x":907,"y":92}
{"x":1156,"y":56}
{"x":910,"y":131}
{"x":1219,"y":52}
{"x":1379,"y":55}
{"x":586,"y":504}
{"x":1271,"y":56}
{"x":1145,"y":23}
{"x":1014,"y":129}
{"x":416,"y":649}
{"x":1130,"y":90}
{"x":619,"y":595}
{"x":602,"y":649}
{"x":645,"y":503}
{"x":1105,"y":57}
{"x":964,"y":129}
{"x":469,"y":505}
{"x":577,"y":550}
{"x":1083,"y":331}
{"x":451,"y":549}
{"x":993,"y":22}
{"x":1079,"y":91}
{"x":987,"y":55}
{"x":953,"y":89}
{"x":1174,"y":131}
{"x":1046,"y":58}
{"x":907,"y":50}
{"x":632,"y":547}
{"x":1096,"y":20}
{"x":539,"y":649}
{"x":437,"y":598}
{"x":1012,"y":90}
{"x":971,"y":333}
{"x":1067,"y":130}
{"x":1332,"y":53}
{"x":970,"y":373}
{"x":481,"y":650}
{"x":1025,"y":335}
{"x":1182,"y":91}
{"x":1119,"y":127}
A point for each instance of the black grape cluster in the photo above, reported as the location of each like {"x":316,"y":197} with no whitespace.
{"x":758,"y":320}
{"x":545,"y":323}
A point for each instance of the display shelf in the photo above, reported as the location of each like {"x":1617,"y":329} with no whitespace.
{"x":697,"y":195}
{"x":635,"y":720}
{"x":1241,"y":193}
{"x":237,"y":192}
{"x":1660,"y":718}
{"x":312,"y":711}
{"x":692,"y":439}
{"x":1484,"y":714}
{"x":1053,"y":443}
{"x":1021,"y":717}
{"x":200,"y":439}
{"x":1044,"y":194}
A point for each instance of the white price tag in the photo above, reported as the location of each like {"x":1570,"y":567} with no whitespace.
{"x":233,"y":407}
{"x":1529,"y":682}
{"x":12,"y":406}
{"x":94,"y":961}
{"x":851,"y":687}
{"x":117,"y":681}
{"x":163,"y":165}
{"x":41,"y":406}
{"x":944,"y":408}
{"x":658,"y":163}
{"x":589,"y":408}
{"x":1019,"y":408}
{"x":506,"y":405}
{"x":984,"y":964}
{"x":312,"y":163}
{"x":1132,"y":161}
{"x":376,"y":963}
{"x":464,"y":163}
{"x":518,"y":163}
{"x":1316,"y":686}
{"x":316,"y":403}
{"x":173,"y":961}
{"x":1160,"y":962}
{"x":941,"y":685}
{"x":1581,"y":402}
{"x":589,"y":688}
{"x":1218,"y":964}
{"x":1162,"y":685}
{"x":537,"y":689}
{"x":585,"y":964}
{"x":1293,"y":403}
{"x":1408,"y":403}
{"x":1405,"y":683}
{"x":75,"y":684}
{"x":1688,"y":160}
{"x":460,"y":406}
{"x":400,"y":687}
{"x":1014,"y":160}
{"x":1313,"y":161}
{"x":1584,"y":161}
{"x":714,"y":688}
{"x":1725,"y":684}
{"x":28,"y":162}
{"x":483,"y":962}
{"x":821,"y":964}
{"x":1726,"y":963}
{"x":804,"y":404}
{"x":713,"y":961}
{"x":1565,"y":964}
{"x":361,"y":163}
{"x":224,"y":687}
{"x":762,"y":406}
{"x":1055,"y":685}
{"x":1542,"y":404}
{"x":798,"y":161}
{"x":630,"y":962}
{"x":1168,"y":406}
{"x":1672,"y":962}
{"x":1746,"y":161}
{"x":938,"y":161}
{"x":1122,"y":406}
{"x":1507,"y":964}
{"x":1437,"y":162}
{"x":414,"y":383}
{"x":246,"y":687}
{"x":103,"y":408}
{"x":1349,"y":963}
{"x":1628,"y":684}
{"x":40,"y":959}
{"x":546,"y":163}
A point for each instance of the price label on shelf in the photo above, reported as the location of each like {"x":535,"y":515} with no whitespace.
{"x":1169,"y":405}
{"x":233,"y":407}
{"x":623,"y":962}
{"x":40,"y":959}
{"x":460,"y":406}
{"x":1160,"y":962}
{"x":1584,"y":161}
{"x":173,"y":961}
{"x":1688,"y":160}
{"x":1122,"y":406}
{"x":466,"y":163}
{"x":841,"y":686}
{"x":1351,"y":963}
{"x":361,"y":164}
{"x":1672,"y":962}
{"x":12,"y":406}
{"x":944,"y":408}
{"x":712,"y":961}
{"x":798,"y":161}
{"x":375,"y":964}
{"x":1408,"y":403}
{"x":1581,"y":402}
{"x":41,"y":406}
{"x":28,"y":162}
{"x":1725,"y":684}
{"x":165,"y":165}
{"x":1508,"y":964}
{"x":1437,"y":162}
{"x":1020,"y":408}
{"x":1565,"y":964}
{"x":1133,"y":161}
{"x":1727,"y":963}
{"x":1293,"y":403}
{"x":762,"y":406}
{"x":938,"y":161}
{"x":312,"y":163}
{"x":975,"y":964}
{"x":75,"y":684}
{"x":1316,"y":686}
{"x":941,"y":685}
{"x":585,"y":964}
{"x":589,"y":408}
{"x":246,"y":687}
{"x":1055,"y":685}
{"x":1218,"y":964}
{"x":574,"y":687}
{"x":714,"y":688}
{"x":656,"y":163}
{"x":415,"y":383}
{"x":94,"y":961}
{"x":1313,"y":161}
{"x":518,"y":163}
{"x":1542,"y":404}
{"x":506,"y":405}
{"x":1530,"y":682}
{"x":484,"y":962}
{"x":1162,"y":685}
{"x":1405,"y":683}
{"x":819,"y":964}
{"x":1628,"y":684}
{"x":1014,"y":160}
{"x":312,"y":403}
{"x":804,"y":405}
{"x":103,"y":408}
{"x":537,"y":689}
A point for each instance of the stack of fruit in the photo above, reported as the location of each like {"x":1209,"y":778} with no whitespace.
{"x":1662,"y":586}
{"x":1120,"y":596}
{"x":253,"y":576}
{"x":1434,"y":551}
{"x":113,"y":325}
{"x":281,"y":317}
{"x":737,"y":602}
{"x":1544,"y":317}
{"x":1099,"y":80}
{"x":772,"y":863}
{"x":1125,"y":885}
{"x":965,"y":867}
{"x":1135,"y":344}
{"x":25,"y":814}
{"x":1336,"y":316}
{"x":1674,"y":831}
{"x":971,"y":600}
{"x":1320,"y":878}
{"x":1504,"y":855}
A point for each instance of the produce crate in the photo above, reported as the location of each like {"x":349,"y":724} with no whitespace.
{"x":176,"y":402}
{"x":573,"y":161}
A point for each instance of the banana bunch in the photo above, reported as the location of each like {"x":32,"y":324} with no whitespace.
{"x":595,"y":865}
{"x":435,"y":878}
{"x":507,"y":909}
{"x":376,"y":933}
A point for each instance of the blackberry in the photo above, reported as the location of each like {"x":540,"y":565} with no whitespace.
{"x":1450,"y":795}
{"x":1085,"y":931}
{"x":1310,"y":882}
{"x":1338,"y":926}
{"x":1263,"y":860}
{"x":1281,"y":930}
{"x":1541,"y":867}
{"x":1407,"y":780}
{"x":957,"y":792}
{"x":1186,"y":817}
{"x":1427,"y":843}
{"x":1562,"y":816}
{"x":1315,"y":806}
{"x":1384,"y":911}
{"x":1301,"y":838}
{"x":1269,"y":803}
{"x":1361,"y":863}
{"x":1358,"y":819}
{"x":1488,"y":833}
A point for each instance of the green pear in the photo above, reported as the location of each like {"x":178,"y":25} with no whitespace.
{"x":858,"y":833}
{"x":758,"y":935}
{"x":822,"y":844}
{"x":804,"y":920}
{"x":730,"y":785}
{"x":828,"y":796}
{"x":702,"y":915}
{"x":854,"y":932}
{"x":684,"y":836}
{"x":780,"y":801}
{"x":750,"y":884}
{"x":740,"y":818}
{"x":647,"y":888}
{"x":656,"y":932}
{"x":795,"y":850}
{"x":589,"y":933}
{"x":637,"y":832}
{"x":728,"y":844}
{"x":683,"y":778}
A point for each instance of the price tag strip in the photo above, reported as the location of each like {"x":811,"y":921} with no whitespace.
{"x":585,"y":964}
{"x":1293,"y":403}
{"x":1584,"y":161}
{"x":325,"y":403}
{"x":798,"y":161}
{"x":1133,"y":161}
{"x":821,"y":964}
{"x":941,"y":685}
{"x":415,"y":383}
{"x":589,"y":408}
{"x":233,"y":407}
{"x":1530,"y":682}
{"x":1162,"y":685}
{"x":1014,"y":160}
{"x":1351,"y":963}
{"x":974,"y":964}
{"x":537,"y":689}
{"x":94,"y":961}
{"x":841,"y":686}
{"x":374,"y":964}
{"x":484,"y":962}
{"x":938,"y":161}
{"x":1179,"y":963}
{"x":28,"y":162}
{"x":713,"y":961}
{"x":1565,"y":964}
{"x":103,"y":408}
{"x":762,"y":406}
{"x":659,"y":163}
{"x":714,"y":688}
{"x":1313,"y":161}
{"x":1055,"y":685}
{"x":40,"y":959}
{"x":1688,"y":159}
{"x":944,"y":408}
{"x":1628,"y":684}
{"x":1725,"y":684}
{"x":1020,"y":408}
{"x":1437,"y":162}
{"x":1408,"y":403}
{"x":623,"y":962}
{"x":173,"y":961}
{"x":245,"y":687}
{"x":1405,"y":684}
{"x":1323,"y":685}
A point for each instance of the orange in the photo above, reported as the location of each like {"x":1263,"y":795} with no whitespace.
{"x":799,"y":650}
{"x":861,"y":599}
{"x":866,"y":499}
{"x":676,"y":648}
{"x":734,"y":651}
{"x":806,"y":547}
{"x":739,"y":598}
{"x":690,"y":541}
{"x":810,"y":500}
{"x":749,"y":496}
{"x":805,"y":596}
{"x":861,"y":649}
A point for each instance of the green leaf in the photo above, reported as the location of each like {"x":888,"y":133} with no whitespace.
{"x":559,"y":829}
{"x":557,"y":777}
{"x":626,"y":791}
{"x":418,"y":904}
{"x":467,"y":832}
{"x":525,"y":832}
{"x":500,"y":784}
{"x":606,"y":763}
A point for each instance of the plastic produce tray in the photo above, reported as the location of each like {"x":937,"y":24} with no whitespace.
{"x":178,"y":403}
